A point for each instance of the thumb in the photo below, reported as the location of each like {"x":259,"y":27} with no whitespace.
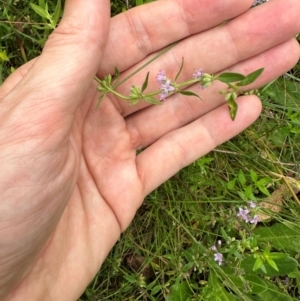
{"x":71,"y":56}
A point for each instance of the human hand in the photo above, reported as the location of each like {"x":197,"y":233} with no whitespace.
{"x":71,"y":180}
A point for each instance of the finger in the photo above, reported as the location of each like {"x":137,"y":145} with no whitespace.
{"x":183,"y":146}
{"x":222,"y":47}
{"x":148,"y":125}
{"x":151,"y":27}
{"x":70,"y":57}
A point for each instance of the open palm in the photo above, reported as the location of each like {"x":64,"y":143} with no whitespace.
{"x":71,"y":178}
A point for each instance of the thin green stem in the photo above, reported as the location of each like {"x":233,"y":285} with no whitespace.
{"x":97,"y":80}
{"x":188,"y":83}
{"x":119,"y":95}
{"x":143,"y":66}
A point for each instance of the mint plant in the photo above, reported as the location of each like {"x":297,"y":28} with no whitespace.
{"x":168,"y":87}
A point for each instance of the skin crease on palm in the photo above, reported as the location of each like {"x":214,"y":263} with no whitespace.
{"x":71,"y":181}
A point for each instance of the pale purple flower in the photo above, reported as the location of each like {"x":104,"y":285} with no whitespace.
{"x":198,"y":73}
{"x":252,"y":204}
{"x":254,"y":220}
{"x":219,"y":242}
{"x":166,"y":88}
{"x":161,"y":77}
{"x":162,"y":96}
{"x":218,"y":258}
{"x":243,"y":214}
{"x":213,"y":248}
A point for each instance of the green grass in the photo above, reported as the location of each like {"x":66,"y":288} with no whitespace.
{"x":166,"y":253}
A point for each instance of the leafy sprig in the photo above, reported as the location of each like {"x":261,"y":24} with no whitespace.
{"x":234,"y":81}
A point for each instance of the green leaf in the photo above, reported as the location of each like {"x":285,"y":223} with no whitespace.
{"x":294,"y":274}
{"x":249,"y":193}
{"x":139,"y":2}
{"x":116,"y":75}
{"x":180,"y":69}
{"x":263,"y":189}
{"x":253,"y":241}
{"x":254,"y":176}
{"x":263,"y":268}
{"x":272,"y":263}
{"x":57,"y":13}
{"x":284,"y":263}
{"x":224,"y":234}
{"x":279,"y":256}
{"x":215,"y":290}
{"x":233,"y":107}
{"x":42,"y":27}
{"x":130,"y":279}
{"x":145,"y":84}
{"x":3,"y":56}
{"x":250,"y":78}
{"x":231,"y":184}
{"x":188,"y":93}
{"x":47,"y":10}
{"x":152,"y":100}
{"x":179,"y":292}
{"x":278,"y":135}
{"x":241,"y":178}
{"x":284,"y":93}
{"x":280,"y":236}
{"x":264,"y":181}
{"x":156,"y":289}
{"x":134,"y":101}
{"x":257,"y":264}
{"x":230,"y":77}
{"x":233,"y":250}
{"x":39,"y":10}
{"x":188,"y":266}
{"x":267,"y":251}
{"x":42,"y":4}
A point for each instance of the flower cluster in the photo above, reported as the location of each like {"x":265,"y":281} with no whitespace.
{"x":166,"y":85}
{"x":218,"y":257}
{"x":245,"y":214}
{"x":198,"y":73}
{"x":204,"y":78}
